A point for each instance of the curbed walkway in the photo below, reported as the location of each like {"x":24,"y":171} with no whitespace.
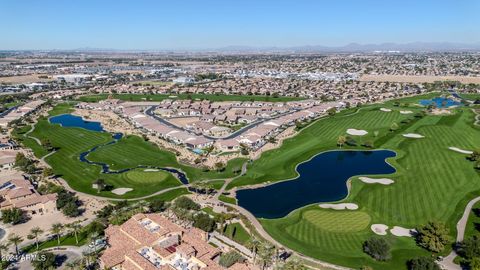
{"x":447,"y":262}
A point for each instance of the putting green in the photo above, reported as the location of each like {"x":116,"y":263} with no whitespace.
{"x":338,"y":220}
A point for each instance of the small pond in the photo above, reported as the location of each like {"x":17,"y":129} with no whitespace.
{"x":69,"y":120}
{"x":440,"y":102}
{"x":321,"y":179}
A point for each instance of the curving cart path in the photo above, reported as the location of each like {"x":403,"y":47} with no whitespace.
{"x":447,"y":262}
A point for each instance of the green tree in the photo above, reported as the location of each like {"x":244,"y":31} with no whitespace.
{"x":332,"y":111}
{"x":186,"y":203}
{"x":15,"y":240}
{"x":377,"y":248}
{"x":35,"y":232}
{"x":341,"y":141}
{"x":57,"y":229}
{"x":254,"y":244}
{"x":157,"y":206}
{"x":230,"y":258}
{"x":100,"y":185}
{"x":433,"y":236}
{"x":12,"y":216}
{"x":422,"y":263}
{"x":204,"y":222}
{"x":75,"y":228}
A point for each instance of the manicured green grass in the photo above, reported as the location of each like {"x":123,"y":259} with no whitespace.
{"x":66,"y":240}
{"x":227,"y":199}
{"x":237,"y":233}
{"x":212,"y":97}
{"x":431,"y":183}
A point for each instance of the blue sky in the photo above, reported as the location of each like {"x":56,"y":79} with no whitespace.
{"x":197,"y":24}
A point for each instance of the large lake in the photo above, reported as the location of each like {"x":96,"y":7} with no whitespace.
{"x":322,"y":179}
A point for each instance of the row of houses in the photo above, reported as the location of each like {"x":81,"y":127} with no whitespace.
{"x":257,"y":136}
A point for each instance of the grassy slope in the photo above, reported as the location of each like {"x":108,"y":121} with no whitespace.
{"x":431,"y":183}
{"x":160,"y":97}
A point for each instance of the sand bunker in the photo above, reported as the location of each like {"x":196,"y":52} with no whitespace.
{"x":400,"y":231}
{"x":385,"y":110}
{"x":380,"y":229}
{"x":406,"y":112}
{"x":340,"y":206}
{"x":356,"y":132}
{"x":150,"y":170}
{"x":383,"y":181}
{"x":413,"y":135}
{"x":456,"y":149}
{"x":121,"y":191}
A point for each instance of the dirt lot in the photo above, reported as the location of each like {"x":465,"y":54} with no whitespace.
{"x":23,"y":79}
{"x":418,"y":79}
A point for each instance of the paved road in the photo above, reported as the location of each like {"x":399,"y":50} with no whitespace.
{"x":230,"y":242}
{"x":447,"y":262}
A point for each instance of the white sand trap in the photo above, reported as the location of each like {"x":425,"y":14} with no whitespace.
{"x":383,"y":181}
{"x":456,"y":149}
{"x":400,"y":231}
{"x":380,"y":229}
{"x":150,"y":170}
{"x":339,"y":206}
{"x":121,"y":191}
{"x":413,"y":135}
{"x":406,"y":112}
{"x":385,"y":110}
{"x":356,"y":132}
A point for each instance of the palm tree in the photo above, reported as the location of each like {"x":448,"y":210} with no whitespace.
{"x":36,"y":231}
{"x":265,"y":254}
{"x":341,"y":141}
{"x":57,"y":229}
{"x":75,"y":227}
{"x":3,"y":247}
{"x":93,"y":238}
{"x":15,"y":240}
{"x":253,"y":244}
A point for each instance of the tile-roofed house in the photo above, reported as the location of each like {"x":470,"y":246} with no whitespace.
{"x":131,"y":246}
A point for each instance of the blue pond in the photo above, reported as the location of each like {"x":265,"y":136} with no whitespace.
{"x":68,"y":120}
{"x":440,"y":102}
{"x":322,"y":179}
